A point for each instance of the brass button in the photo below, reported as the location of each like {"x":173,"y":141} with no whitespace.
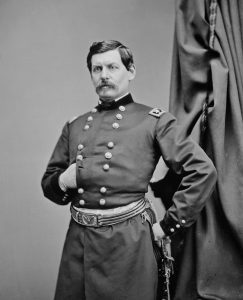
{"x":122,"y":108}
{"x":119,"y":117}
{"x":90,"y":118}
{"x":79,"y":157}
{"x":102,"y":201}
{"x":108,"y":155}
{"x":115,"y":125}
{"x":86,"y":127}
{"x":80,"y":191}
{"x":81,"y":202}
{"x":178,"y":225}
{"x":80,"y":147}
{"x":94,"y":110}
{"x":172,"y":230}
{"x":110,"y":145}
{"x":106,"y":167}
{"x":103,"y":190}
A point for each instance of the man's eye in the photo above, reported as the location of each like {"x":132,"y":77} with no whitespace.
{"x":113,"y":67}
{"x":97,"y":69}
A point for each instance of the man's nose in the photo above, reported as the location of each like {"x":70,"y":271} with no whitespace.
{"x":104,"y":73}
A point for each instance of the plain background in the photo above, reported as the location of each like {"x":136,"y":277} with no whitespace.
{"x":43,"y":83}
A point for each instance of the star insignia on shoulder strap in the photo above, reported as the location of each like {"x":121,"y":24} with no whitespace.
{"x":156,"y":112}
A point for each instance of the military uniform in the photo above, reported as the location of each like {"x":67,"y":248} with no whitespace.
{"x":116,"y":150}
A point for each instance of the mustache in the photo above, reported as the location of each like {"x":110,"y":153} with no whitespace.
{"x":105,"y":84}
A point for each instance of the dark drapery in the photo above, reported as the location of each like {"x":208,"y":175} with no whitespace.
{"x":207,"y":88}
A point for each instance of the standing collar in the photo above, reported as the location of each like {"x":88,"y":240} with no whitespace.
{"x":115,"y":103}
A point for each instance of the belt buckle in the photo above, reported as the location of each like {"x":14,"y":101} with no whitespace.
{"x":87,"y":219}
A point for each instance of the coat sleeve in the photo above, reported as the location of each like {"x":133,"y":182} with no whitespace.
{"x":187,"y":159}
{"x":58,"y":163}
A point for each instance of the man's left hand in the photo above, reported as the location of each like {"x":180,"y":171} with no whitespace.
{"x":158,"y":233}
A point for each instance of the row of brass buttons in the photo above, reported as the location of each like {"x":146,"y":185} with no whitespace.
{"x":172,"y":230}
{"x":108,"y":155}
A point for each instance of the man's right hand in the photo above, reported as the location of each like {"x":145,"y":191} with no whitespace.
{"x":67,"y":180}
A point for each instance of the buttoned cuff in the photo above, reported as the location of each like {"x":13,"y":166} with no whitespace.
{"x":170,"y":226}
{"x":56,"y":187}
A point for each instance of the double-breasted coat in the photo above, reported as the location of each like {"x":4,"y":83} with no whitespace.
{"x":116,"y":150}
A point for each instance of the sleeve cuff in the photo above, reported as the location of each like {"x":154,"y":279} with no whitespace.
{"x":55,"y":184}
{"x":170,"y":226}
{"x":56,"y":187}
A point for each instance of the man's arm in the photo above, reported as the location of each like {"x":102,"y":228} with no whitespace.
{"x":186,"y":158}
{"x":53,"y":189}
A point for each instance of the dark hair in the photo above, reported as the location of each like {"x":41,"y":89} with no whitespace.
{"x":104,"y":46}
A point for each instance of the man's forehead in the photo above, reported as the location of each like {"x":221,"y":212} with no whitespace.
{"x":111,"y":56}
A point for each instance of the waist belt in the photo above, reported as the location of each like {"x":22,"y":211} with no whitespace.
{"x":105,"y":217}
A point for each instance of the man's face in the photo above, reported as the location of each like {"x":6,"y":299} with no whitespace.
{"x":109,"y":75}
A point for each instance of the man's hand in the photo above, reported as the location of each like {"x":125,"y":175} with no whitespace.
{"x":67,"y":180}
{"x":158,"y":233}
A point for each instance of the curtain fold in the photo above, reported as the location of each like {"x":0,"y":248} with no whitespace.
{"x":207,"y":87}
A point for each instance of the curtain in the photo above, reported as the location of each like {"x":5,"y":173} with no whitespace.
{"x":207,"y":98}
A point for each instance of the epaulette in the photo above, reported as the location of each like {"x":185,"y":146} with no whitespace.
{"x":71,"y":120}
{"x":156,"y":112}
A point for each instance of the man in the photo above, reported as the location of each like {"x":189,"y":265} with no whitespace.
{"x":102,"y":164}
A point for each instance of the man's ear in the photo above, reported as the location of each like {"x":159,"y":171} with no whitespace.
{"x":132,"y":72}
